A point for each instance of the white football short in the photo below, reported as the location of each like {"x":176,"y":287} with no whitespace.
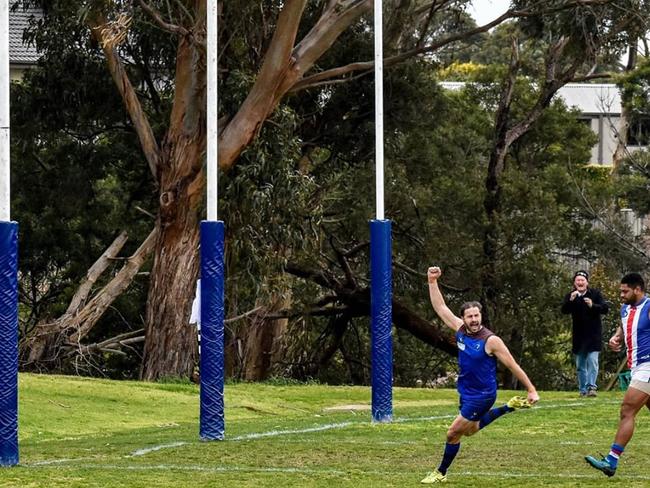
{"x":641,"y":377}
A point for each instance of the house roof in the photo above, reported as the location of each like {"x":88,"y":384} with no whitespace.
{"x":598,"y":98}
{"x":21,"y":52}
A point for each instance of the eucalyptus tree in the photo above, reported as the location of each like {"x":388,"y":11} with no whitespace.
{"x":154,"y":52}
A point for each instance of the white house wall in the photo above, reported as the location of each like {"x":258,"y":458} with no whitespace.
{"x":606,"y":127}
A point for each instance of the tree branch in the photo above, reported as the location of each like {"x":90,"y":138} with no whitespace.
{"x":264,"y":95}
{"x":107,"y":345}
{"x":96,"y":307}
{"x":315,"y":312}
{"x":630,"y":245}
{"x":132,"y":104}
{"x":328,"y":75}
{"x":93,"y":274}
{"x":358,"y":304}
{"x":157,"y":18}
{"x":242,"y":316}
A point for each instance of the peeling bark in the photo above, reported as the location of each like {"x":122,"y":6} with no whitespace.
{"x":170,"y":343}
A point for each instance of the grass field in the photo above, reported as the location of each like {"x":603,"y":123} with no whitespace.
{"x":78,"y":432}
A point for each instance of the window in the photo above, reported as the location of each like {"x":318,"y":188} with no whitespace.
{"x":638,"y":134}
{"x":586,"y":121}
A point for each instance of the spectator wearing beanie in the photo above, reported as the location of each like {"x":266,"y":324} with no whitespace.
{"x":586,"y":305}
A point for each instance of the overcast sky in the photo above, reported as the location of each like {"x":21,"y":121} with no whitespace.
{"x":484,"y":11}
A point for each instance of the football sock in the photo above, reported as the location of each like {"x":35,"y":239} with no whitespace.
{"x":492,"y":415}
{"x":614,"y":453}
{"x":450,"y":453}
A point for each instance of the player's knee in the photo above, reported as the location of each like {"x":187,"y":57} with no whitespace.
{"x":471,"y":430}
{"x":453,"y":435}
{"x":627,"y":411}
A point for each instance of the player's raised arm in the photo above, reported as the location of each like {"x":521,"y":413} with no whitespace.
{"x":438,"y":302}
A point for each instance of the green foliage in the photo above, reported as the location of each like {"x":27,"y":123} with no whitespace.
{"x":633,"y":174}
{"x":305,"y":187}
{"x":635,"y":87}
{"x":590,"y":29}
{"x":436,"y":161}
{"x":79,"y":179}
{"x":633,"y":177}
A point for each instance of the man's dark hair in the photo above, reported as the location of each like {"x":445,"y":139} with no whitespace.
{"x":467,"y":305}
{"x":633,"y":280}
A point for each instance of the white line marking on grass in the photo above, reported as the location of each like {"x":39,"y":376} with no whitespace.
{"x":56,"y":461}
{"x":339,"y":425}
{"x":401,"y":420}
{"x":147,"y":450}
{"x":348,"y":441}
{"x":575,"y":404}
{"x":274,"y":433}
{"x":208,"y":469}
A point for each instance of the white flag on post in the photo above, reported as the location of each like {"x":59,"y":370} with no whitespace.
{"x":195,"y":317}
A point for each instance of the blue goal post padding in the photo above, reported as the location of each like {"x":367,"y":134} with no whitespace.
{"x":8,"y":343}
{"x":212,"y":424}
{"x":381,"y":295}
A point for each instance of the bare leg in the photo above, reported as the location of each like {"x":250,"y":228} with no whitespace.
{"x":633,"y":401}
{"x":461,"y":427}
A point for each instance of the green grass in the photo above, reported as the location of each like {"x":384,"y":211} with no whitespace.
{"x":78,"y":432}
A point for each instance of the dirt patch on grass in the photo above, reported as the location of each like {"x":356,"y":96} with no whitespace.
{"x":354,"y":407}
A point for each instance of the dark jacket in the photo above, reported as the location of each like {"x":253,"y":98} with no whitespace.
{"x":587,"y":327}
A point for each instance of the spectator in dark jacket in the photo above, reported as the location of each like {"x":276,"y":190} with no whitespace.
{"x":585,"y":305}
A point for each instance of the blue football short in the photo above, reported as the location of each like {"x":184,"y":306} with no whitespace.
{"x":474,"y":408}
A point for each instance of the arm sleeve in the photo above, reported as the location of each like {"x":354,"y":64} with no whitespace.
{"x":567,"y":305}
{"x":600,"y":305}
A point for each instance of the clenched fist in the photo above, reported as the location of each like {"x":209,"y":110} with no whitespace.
{"x":433,"y":274}
{"x":615,"y":343}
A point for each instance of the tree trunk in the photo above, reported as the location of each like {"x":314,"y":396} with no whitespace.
{"x":506,"y":133}
{"x":624,"y":122}
{"x":170,"y":348}
{"x":492,"y":199}
{"x":492,"y":206}
{"x":264,"y":340}
{"x":279,"y":328}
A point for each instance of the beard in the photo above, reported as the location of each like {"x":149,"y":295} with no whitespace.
{"x":473,"y":327}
